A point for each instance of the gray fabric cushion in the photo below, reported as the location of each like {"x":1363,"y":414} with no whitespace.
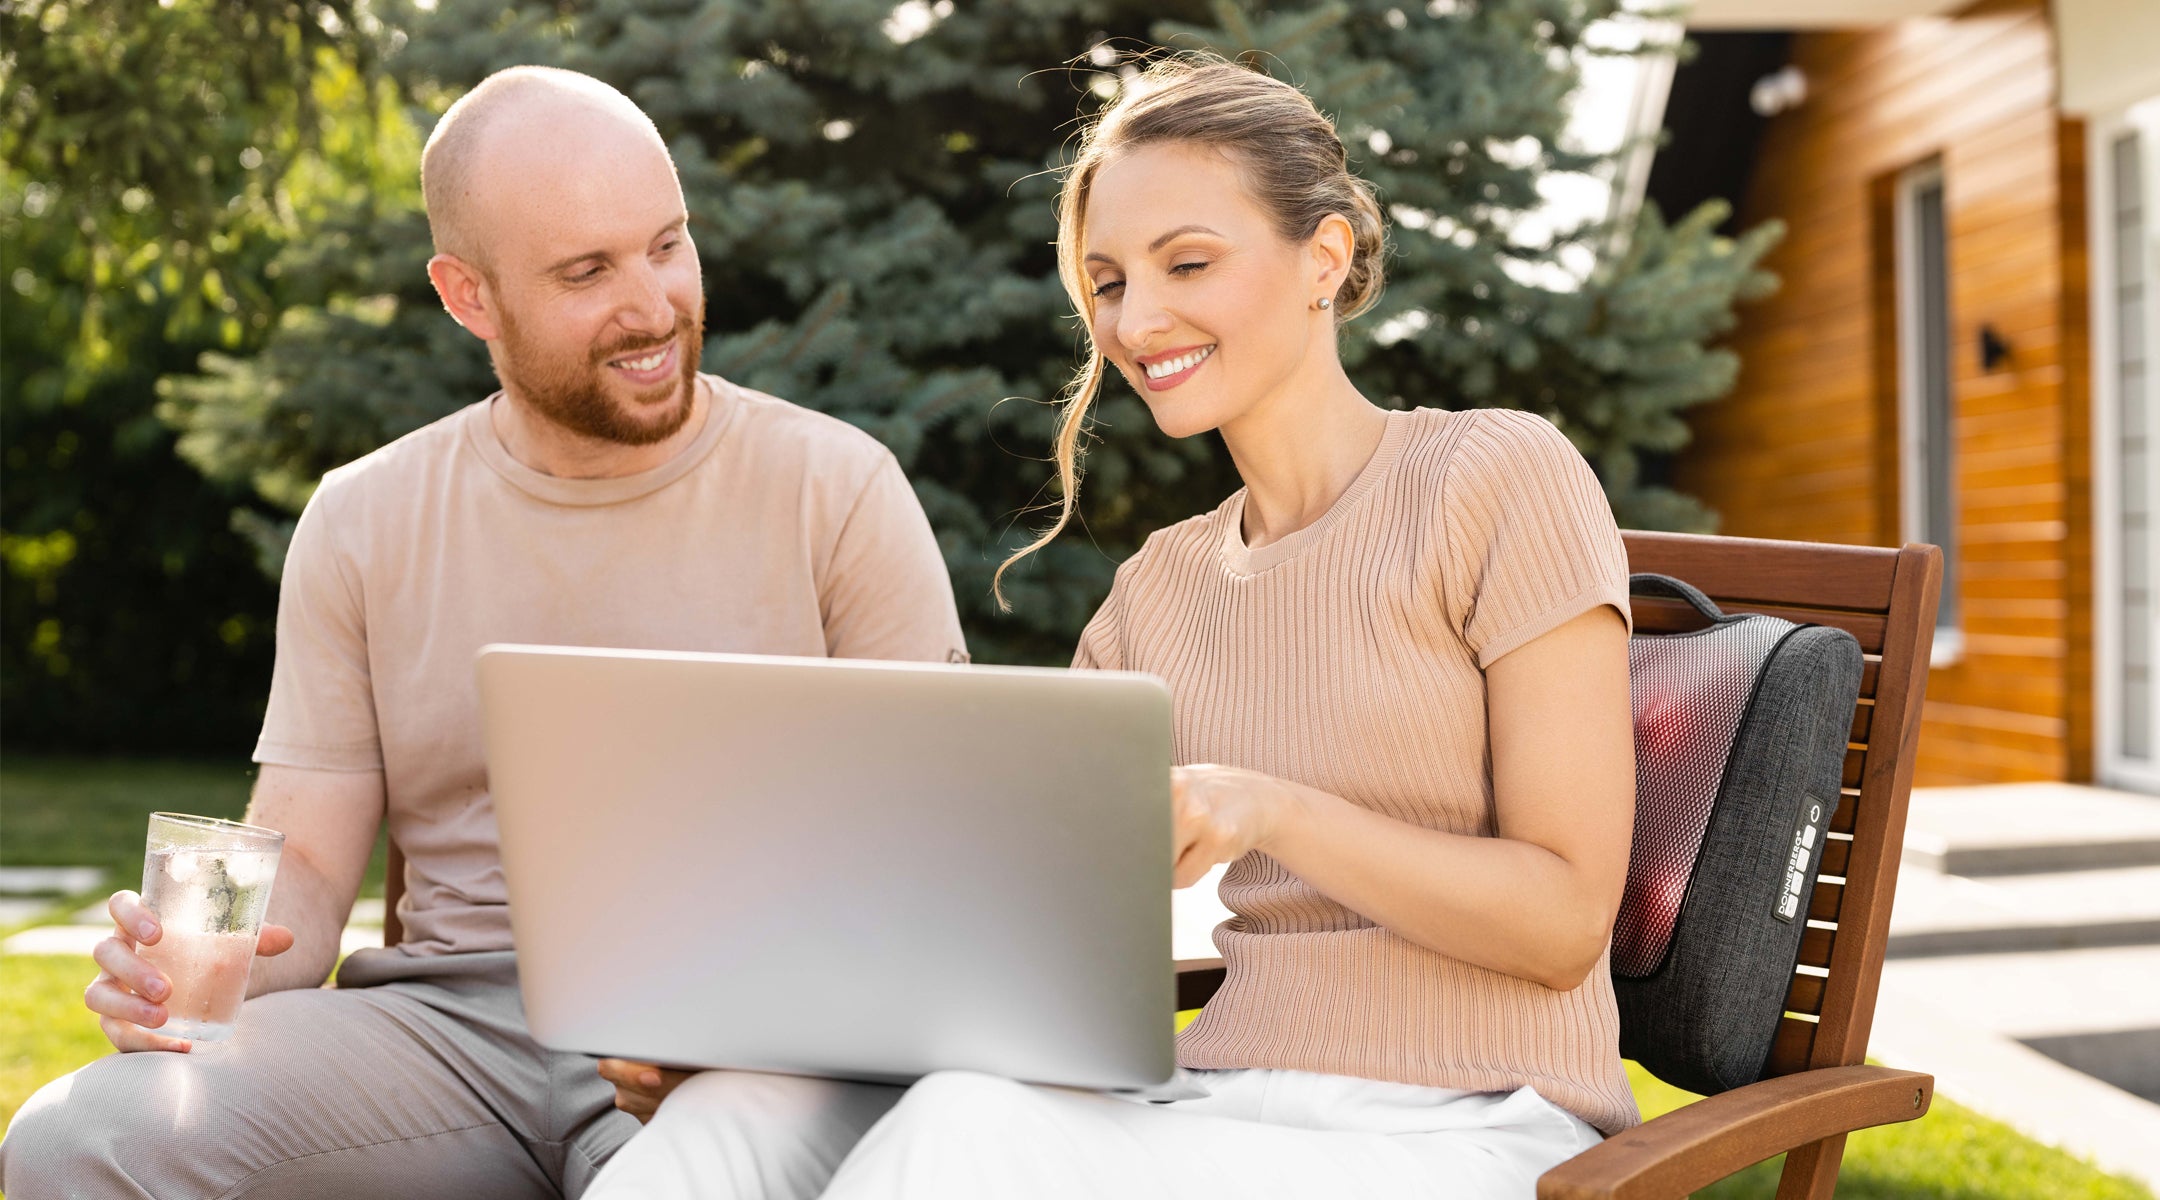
{"x":1702,"y":1014}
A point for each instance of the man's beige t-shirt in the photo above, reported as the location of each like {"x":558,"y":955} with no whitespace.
{"x":778,"y":531}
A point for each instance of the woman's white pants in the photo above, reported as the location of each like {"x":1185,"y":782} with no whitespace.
{"x":957,"y":1135}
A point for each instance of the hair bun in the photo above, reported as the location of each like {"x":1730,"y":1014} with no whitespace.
{"x":1367,"y":277}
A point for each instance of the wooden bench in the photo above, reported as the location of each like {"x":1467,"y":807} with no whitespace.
{"x":1817,"y":1087}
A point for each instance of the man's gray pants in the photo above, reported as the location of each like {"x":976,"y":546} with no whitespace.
{"x":414,"y":1077}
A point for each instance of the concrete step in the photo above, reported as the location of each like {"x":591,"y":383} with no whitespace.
{"x":2028,"y":828}
{"x":1939,"y":914}
{"x":2043,"y":993}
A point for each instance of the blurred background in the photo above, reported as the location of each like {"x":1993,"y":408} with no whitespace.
{"x":1838,"y":270}
{"x":216,"y":290}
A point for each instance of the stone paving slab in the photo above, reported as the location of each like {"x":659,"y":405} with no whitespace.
{"x":49,"y":881}
{"x":1926,"y":1021}
{"x":2014,"y":828}
{"x":364,"y":912}
{"x":14,"y":910}
{"x":81,"y":939}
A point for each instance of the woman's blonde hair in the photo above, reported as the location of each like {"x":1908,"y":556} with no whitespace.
{"x":1292,"y":162}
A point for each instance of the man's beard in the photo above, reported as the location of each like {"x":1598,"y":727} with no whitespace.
{"x":574,"y":395}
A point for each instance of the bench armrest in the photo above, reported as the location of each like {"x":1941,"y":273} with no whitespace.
{"x":1714,"y":1137}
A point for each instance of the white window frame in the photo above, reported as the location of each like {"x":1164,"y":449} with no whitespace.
{"x":1913,"y":448}
{"x":2111,"y":766}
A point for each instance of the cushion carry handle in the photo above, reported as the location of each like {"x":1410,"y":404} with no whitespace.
{"x":1646,"y":583}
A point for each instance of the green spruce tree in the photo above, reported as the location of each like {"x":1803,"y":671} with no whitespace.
{"x":871,"y":189}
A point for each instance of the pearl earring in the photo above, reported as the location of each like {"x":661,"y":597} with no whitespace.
{"x":1326,"y":303}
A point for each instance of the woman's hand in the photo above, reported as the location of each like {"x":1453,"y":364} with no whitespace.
{"x":1220,"y":814}
{"x":640,"y":1087}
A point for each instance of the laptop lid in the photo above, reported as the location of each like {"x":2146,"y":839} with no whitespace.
{"x":863,"y":870}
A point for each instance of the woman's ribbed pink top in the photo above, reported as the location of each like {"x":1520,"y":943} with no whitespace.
{"x":1349,"y":656}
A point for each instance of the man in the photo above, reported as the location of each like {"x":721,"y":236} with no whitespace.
{"x":608,"y":495}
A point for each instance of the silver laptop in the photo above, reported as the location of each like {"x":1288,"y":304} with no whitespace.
{"x":862,"y":870}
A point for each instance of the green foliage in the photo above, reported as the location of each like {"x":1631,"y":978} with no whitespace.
{"x":871,"y":194}
{"x":154,"y":134}
{"x":129,"y":613}
{"x":148,"y":156}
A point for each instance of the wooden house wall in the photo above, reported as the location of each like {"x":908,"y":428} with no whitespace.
{"x":1806,"y":447}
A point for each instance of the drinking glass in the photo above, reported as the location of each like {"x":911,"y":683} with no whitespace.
{"x":208,"y":881}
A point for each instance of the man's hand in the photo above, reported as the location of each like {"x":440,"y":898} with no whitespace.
{"x":640,"y":1087}
{"x":1219,"y":814}
{"x":129,"y":993}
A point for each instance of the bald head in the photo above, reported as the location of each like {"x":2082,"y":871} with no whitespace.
{"x":515,"y":132}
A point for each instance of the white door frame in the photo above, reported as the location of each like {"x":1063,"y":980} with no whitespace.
{"x":2111,"y":765}
{"x":1916,"y":453}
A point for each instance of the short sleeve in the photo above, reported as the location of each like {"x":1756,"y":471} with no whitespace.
{"x":321,"y":713}
{"x":1101,"y":647}
{"x":885,"y":592}
{"x":1531,"y":541}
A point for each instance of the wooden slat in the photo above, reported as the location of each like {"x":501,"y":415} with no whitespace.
{"x":1824,"y":904}
{"x":1848,"y":809}
{"x":1863,"y":719}
{"x":1855,"y":768}
{"x":1834,"y":855}
{"x":1805,"y":995}
{"x":1654,"y":614}
{"x":1815,"y":946}
{"x":1870,"y":676}
{"x":1789,"y":1050}
{"x":1749,"y":569}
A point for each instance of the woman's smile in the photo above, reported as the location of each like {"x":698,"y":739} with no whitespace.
{"x":1164,"y":371}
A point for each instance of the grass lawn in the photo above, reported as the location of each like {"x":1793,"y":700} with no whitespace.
{"x":74,"y":812}
{"x":44,"y":1029}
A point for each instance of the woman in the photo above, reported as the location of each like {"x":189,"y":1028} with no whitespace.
{"x":1398,"y":658}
